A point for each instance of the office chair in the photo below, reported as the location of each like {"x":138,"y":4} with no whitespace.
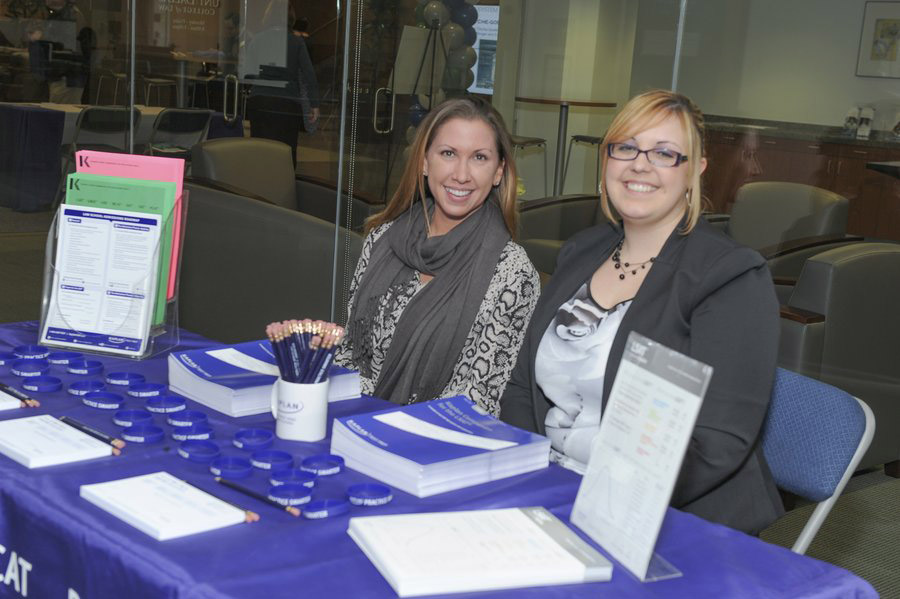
{"x":175,"y":131}
{"x":813,"y":438}
{"x":100,"y":128}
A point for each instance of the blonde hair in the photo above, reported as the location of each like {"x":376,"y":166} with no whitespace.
{"x":645,"y":111}
{"x":412,"y":182}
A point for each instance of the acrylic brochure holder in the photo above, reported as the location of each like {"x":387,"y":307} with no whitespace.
{"x":156,"y":336}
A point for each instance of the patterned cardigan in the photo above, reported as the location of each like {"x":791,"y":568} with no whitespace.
{"x":492,"y":345}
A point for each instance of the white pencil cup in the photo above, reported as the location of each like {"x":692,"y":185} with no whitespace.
{"x":300,"y":410}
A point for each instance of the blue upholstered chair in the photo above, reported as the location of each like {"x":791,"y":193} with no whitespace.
{"x":813,"y":438}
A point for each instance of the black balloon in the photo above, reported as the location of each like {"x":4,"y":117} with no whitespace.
{"x":470,"y":36}
{"x":417,"y":112}
{"x":465,"y":15}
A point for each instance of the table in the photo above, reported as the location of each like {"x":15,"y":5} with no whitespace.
{"x":65,"y":543}
{"x":888,"y":168}
{"x":561,"y":130}
{"x":30,"y":140}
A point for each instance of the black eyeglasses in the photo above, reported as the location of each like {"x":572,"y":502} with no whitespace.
{"x":657,"y":156}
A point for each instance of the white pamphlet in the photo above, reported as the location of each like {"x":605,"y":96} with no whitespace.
{"x":8,"y":402}
{"x":104,"y":281}
{"x":458,"y":552}
{"x":38,"y":441}
{"x":637,"y":454}
{"x":162,"y":506}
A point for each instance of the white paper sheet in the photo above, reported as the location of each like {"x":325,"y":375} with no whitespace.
{"x":104,"y":283}
{"x":162,"y":506}
{"x":637,"y":454}
{"x":38,"y":441}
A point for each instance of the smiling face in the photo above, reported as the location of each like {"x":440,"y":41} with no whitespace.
{"x":462,"y":165}
{"x":644,"y":194}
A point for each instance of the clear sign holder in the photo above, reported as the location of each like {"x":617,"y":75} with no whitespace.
{"x":158,"y":338}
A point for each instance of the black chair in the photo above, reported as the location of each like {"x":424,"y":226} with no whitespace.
{"x":176,"y":131}
{"x":100,"y":128}
{"x":592,"y":141}
{"x":277,"y":118}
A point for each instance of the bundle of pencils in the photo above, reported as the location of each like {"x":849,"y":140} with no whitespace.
{"x":304,"y":349}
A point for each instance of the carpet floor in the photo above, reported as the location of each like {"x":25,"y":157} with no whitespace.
{"x":861,"y":534}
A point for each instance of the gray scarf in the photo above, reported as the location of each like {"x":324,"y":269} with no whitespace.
{"x":433,"y":328}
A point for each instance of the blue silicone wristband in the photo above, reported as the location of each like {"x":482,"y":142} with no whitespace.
{"x":126,"y":418}
{"x":296,"y":477}
{"x":369,"y":494}
{"x":84,"y":387}
{"x":231,"y":467}
{"x":146,"y":390}
{"x":187,"y":418}
{"x":290,"y":494}
{"x":199,"y":451}
{"x":64,"y":357}
{"x":124,"y":379}
{"x":42,"y":384}
{"x":323,"y":464}
{"x":165,"y":404}
{"x":195,"y":432}
{"x":326,"y":508}
{"x":26,"y":367}
{"x":272,"y":459}
{"x":143,"y":433}
{"x":88,"y":367}
{"x":31,"y":352}
{"x":253,"y":439}
{"x":102,"y":400}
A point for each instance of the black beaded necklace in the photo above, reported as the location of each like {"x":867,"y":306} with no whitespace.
{"x":625,"y":266}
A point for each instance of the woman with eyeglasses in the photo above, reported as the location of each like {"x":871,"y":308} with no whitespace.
{"x":661,"y":270}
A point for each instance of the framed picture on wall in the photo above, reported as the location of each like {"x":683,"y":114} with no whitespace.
{"x":879,"y":43}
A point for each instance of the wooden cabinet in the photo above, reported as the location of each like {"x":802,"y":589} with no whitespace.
{"x":739,"y":157}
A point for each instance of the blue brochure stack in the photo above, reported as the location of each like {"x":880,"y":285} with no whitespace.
{"x":436,"y":446}
{"x":237,"y":379}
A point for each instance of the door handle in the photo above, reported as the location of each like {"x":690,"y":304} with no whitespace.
{"x":390,"y":128}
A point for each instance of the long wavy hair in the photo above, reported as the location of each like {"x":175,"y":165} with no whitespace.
{"x":646,"y":111}
{"x":412,"y":185}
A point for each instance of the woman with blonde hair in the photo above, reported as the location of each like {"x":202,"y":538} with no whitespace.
{"x":442,"y":294}
{"x":659,"y":269}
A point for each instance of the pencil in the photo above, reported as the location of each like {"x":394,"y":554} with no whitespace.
{"x":117,"y":444}
{"x":251,"y":493}
{"x":27,"y":402}
{"x":249,"y":515}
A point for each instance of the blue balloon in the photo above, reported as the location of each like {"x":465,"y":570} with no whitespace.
{"x":465,"y":15}
{"x":417,"y":112}
{"x":470,"y":36}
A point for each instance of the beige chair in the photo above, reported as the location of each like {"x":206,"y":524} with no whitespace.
{"x":249,"y":166}
{"x":840,"y":326}
{"x":247,"y":263}
{"x":545,"y":224}
{"x":261,"y":168}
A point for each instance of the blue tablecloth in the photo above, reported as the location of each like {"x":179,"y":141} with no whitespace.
{"x":62,"y":542}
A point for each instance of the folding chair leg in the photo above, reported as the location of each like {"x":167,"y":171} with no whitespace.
{"x":546,"y":171}
{"x":566,"y":165}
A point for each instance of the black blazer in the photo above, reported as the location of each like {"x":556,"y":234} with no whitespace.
{"x":711,"y":299}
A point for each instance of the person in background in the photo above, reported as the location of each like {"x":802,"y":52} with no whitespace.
{"x":659,"y":269}
{"x":442,"y":294}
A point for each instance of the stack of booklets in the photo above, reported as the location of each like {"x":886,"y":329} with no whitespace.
{"x":436,"y":446}
{"x":237,"y":379}
{"x":39,"y":441}
{"x":162,"y":506}
{"x":458,"y":552}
